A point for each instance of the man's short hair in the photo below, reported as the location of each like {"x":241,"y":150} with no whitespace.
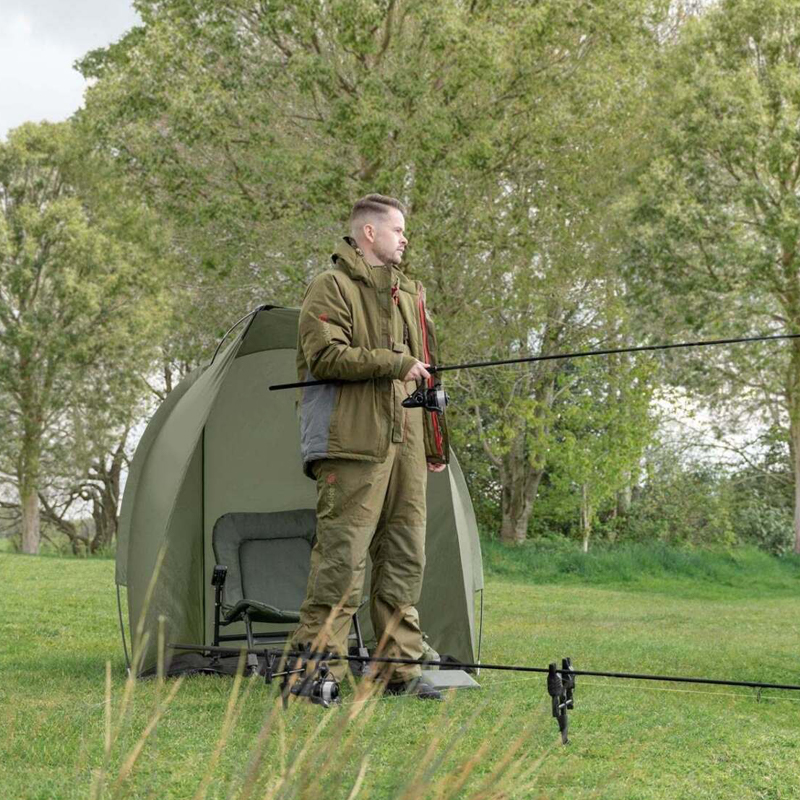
{"x":374,"y":204}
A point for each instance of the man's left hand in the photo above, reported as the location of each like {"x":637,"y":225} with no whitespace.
{"x":436,"y":467}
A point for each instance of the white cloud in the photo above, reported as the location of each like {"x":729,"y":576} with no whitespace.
{"x":39,"y":43}
{"x":20,"y":27}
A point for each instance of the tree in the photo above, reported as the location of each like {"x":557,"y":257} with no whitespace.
{"x":717,"y":212}
{"x":253,"y":127}
{"x":79,"y":282}
{"x":554,"y":249}
{"x":88,"y":451}
{"x":602,"y":432}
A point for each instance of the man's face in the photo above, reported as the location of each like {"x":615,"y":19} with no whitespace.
{"x":389,"y":241}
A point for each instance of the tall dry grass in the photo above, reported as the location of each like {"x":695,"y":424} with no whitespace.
{"x":288,"y":759}
{"x":328,"y":759}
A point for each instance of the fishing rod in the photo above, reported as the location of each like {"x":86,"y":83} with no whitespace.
{"x":435,"y":399}
{"x":317,"y":685}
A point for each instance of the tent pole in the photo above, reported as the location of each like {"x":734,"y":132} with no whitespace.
{"x":203,"y":527}
{"x":122,"y":632}
{"x":251,"y":315}
{"x":480,"y":634}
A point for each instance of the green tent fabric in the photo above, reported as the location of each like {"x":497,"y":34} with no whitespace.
{"x":222,"y":443}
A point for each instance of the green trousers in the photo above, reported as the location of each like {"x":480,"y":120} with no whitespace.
{"x":376,"y":508}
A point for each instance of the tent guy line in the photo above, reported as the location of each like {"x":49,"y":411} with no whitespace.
{"x":560,"y":356}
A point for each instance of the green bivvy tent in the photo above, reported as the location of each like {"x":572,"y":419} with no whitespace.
{"x":221,"y":442}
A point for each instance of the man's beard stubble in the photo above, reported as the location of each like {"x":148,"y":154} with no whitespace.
{"x":391,"y":257}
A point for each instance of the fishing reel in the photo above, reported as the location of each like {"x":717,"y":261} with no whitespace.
{"x":318,"y":686}
{"x":321,"y":690}
{"x":432,"y":398}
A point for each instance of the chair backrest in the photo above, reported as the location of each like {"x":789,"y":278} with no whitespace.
{"x":267,"y":554}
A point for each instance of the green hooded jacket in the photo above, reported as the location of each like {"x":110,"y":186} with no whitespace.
{"x":363,"y":327}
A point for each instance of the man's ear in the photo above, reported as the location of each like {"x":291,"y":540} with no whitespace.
{"x":369,"y":232}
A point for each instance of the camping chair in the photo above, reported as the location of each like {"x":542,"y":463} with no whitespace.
{"x":262,"y":563}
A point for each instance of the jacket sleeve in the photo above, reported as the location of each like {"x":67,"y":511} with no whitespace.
{"x":326,"y":331}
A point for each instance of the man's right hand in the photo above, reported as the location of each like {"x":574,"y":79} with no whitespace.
{"x":417,"y":372}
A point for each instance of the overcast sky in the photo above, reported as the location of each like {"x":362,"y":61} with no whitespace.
{"x":39,"y":42}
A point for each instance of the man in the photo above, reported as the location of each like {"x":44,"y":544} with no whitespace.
{"x":364,"y":325}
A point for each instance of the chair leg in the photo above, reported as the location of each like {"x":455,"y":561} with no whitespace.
{"x":359,"y":667}
{"x":252,"y":658}
{"x":217,"y":604}
{"x":218,"y":582}
{"x":357,"y":631}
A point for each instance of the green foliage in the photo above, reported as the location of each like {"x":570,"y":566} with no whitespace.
{"x":76,"y":268}
{"x":513,"y":131}
{"x":81,"y":285}
{"x":682,"y":502}
{"x":716,"y":211}
{"x":502,"y":126}
{"x":604,"y":426}
{"x":764,"y":526}
{"x":679,"y":503}
{"x":763,"y":505}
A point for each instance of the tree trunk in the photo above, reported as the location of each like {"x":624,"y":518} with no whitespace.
{"x":29,"y":505}
{"x":795,"y":434}
{"x":105,"y":502}
{"x":104,"y":514}
{"x":792,"y":393}
{"x":29,"y":459}
{"x":521,"y":471}
{"x":624,"y":499}
{"x":28,"y":482}
{"x":520,"y":486}
{"x":586,"y":517}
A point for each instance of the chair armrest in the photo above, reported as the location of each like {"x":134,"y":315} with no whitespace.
{"x":219,"y":575}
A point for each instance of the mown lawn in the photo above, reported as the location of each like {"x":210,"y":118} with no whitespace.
{"x":736,"y":619}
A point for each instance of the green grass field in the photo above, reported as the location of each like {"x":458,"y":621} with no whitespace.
{"x":723,"y":616}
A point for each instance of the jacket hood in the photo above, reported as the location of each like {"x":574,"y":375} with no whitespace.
{"x":350,"y":259}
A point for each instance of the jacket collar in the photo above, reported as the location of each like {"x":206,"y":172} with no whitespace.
{"x":349,"y":258}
